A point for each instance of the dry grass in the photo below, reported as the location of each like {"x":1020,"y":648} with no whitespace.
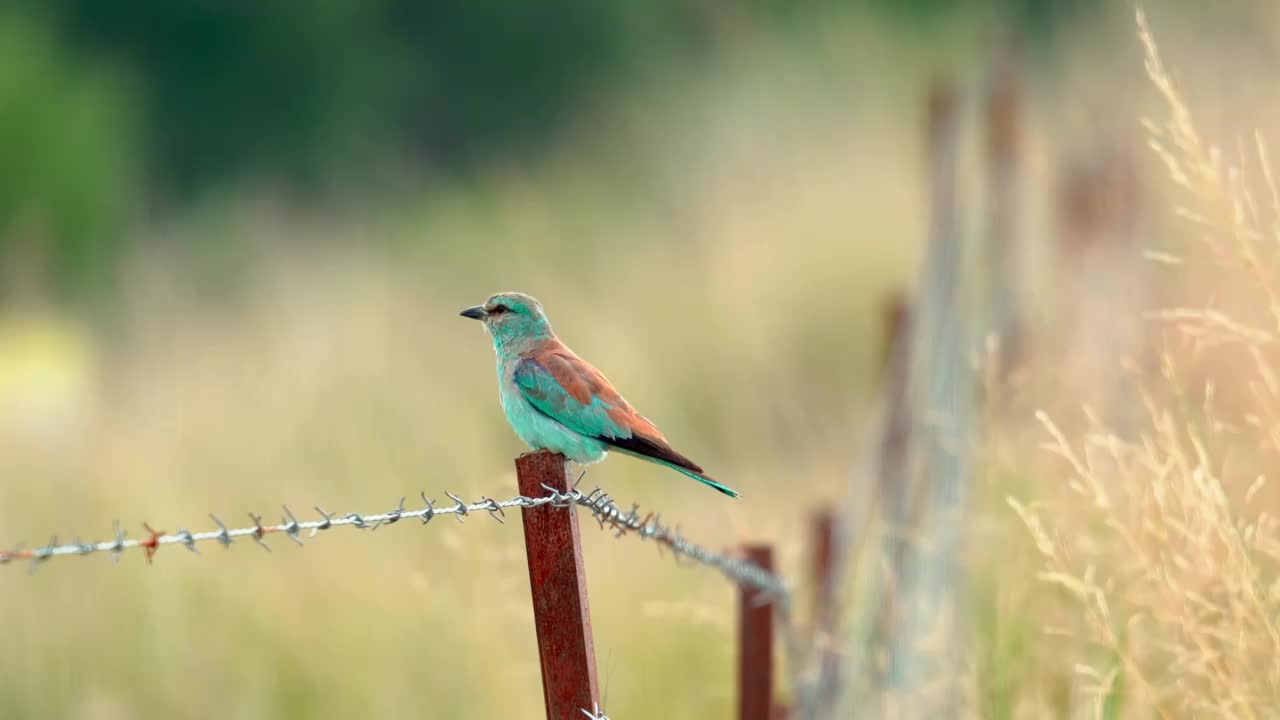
{"x":1166,"y":543}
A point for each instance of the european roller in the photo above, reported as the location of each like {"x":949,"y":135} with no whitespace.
{"x":556,"y":401}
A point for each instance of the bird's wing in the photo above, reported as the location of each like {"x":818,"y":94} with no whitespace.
{"x":565,"y":388}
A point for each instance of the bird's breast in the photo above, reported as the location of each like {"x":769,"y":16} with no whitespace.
{"x":536,"y":429}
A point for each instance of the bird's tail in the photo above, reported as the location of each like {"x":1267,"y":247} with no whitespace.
{"x":682,"y":470}
{"x":702,"y":479}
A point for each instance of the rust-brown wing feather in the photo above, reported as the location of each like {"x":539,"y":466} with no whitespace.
{"x":586,"y":386}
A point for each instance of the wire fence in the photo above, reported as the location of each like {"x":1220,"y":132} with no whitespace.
{"x":602,"y":507}
{"x":770,"y":588}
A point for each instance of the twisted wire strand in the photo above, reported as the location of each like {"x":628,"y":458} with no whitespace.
{"x":601,"y":506}
{"x":289,"y":525}
{"x":650,"y":527}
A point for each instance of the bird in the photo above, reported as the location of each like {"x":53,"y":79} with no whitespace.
{"x":557,"y":401}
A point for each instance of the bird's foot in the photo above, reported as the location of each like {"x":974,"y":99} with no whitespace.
{"x":530,"y":453}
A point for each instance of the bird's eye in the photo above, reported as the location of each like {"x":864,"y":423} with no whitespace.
{"x":499,"y":309}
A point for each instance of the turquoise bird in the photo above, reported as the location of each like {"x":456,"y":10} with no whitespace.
{"x":556,"y":401}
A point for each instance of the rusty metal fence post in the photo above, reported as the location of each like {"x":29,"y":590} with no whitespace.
{"x":826,"y":539}
{"x":558,"y":581}
{"x":755,"y":643}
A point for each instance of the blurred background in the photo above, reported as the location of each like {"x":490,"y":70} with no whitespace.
{"x":234,"y":239}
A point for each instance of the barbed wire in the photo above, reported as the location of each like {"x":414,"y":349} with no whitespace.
{"x":601,"y":506}
{"x":770,"y":587}
{"x":289,"y":525}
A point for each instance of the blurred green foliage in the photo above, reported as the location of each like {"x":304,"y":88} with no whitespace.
{"x":304,"y":92}
{"x":292,"y":85}
{"x":69,"y":143}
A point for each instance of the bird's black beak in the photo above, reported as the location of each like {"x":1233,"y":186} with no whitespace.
{"x":475,"y":313}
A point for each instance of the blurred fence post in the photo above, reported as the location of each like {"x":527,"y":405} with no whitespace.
{"x":755,"y":643}
{"x":921,"y":646}
{"x":826,"y":540}
{"x":850,"y":671}
{"x":558,"y":582}
{"x":893,"y":453}
{"x":1104,"y":286}
{"x":1003,"y":322}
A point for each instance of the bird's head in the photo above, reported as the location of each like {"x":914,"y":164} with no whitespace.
{"x":512,"y":318}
